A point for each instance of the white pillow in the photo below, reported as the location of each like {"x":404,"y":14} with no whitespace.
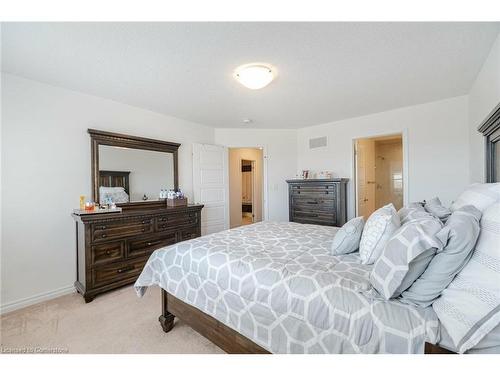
{"x":347,"y":238}
{"x":469,"y":308}
{"x":378,"y":229}
{"x":480,"y":196}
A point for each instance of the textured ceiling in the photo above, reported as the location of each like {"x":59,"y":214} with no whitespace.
{"x":326,"y":71}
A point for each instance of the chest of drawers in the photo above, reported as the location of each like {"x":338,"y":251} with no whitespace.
{"x":112,"y":249}
{"x":322,"y":202}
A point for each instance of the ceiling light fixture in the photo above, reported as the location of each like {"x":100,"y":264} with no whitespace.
{"x":255,"y":76}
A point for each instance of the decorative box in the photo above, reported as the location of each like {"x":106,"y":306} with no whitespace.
{"x":177,"y":202}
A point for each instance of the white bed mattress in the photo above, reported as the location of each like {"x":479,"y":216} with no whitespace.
{"x":278,"y":285}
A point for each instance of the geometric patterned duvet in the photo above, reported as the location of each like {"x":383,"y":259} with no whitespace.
{"x":278,"y":285}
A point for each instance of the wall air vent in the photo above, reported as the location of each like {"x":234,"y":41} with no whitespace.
{"x":320,"y":142}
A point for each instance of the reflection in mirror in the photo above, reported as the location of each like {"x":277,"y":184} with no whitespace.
{"x":131,"y":175}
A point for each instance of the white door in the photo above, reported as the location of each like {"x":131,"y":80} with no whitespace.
{"x":211,"y":186}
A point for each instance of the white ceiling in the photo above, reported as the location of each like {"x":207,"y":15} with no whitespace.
{"x":326,"y":71}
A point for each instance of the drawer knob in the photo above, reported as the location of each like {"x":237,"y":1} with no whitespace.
{"x":104,"y":236}
{"x":125,"y":269}
{"x":108,"y":252}
{"x":153,"y":243}
{"x":103,"y":227}
{"x":143,"y":229}
{"x":163,"y":226}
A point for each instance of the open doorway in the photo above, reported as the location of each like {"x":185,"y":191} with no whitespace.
{"x":247,"y":191}
{"x":379,"y":173}
{"x":245,"y":186}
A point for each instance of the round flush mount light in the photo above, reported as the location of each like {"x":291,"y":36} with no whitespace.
{"x":255,"y":76}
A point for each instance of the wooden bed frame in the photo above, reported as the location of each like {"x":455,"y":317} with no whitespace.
{"x":221,"y":335}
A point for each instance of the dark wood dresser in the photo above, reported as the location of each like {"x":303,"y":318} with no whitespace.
{"x":322,"y":202}
{"x":113,"y":248}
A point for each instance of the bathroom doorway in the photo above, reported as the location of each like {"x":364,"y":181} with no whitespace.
{"x":379,"y":173}
{"x":247,"y":191}
{"x":245,"y":186}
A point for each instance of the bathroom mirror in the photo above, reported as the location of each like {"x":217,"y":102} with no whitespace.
{"x":131,"y":171}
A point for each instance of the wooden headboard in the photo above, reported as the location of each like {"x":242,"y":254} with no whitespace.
{"x":115,"y":179}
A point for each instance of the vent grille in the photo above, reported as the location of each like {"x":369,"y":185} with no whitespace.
{"x":320,"y":142}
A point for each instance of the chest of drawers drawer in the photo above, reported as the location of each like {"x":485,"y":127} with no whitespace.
{"x":117,"y":271}
{"x":120,"y":229}
{"x":314,"y":217}
{"x":313,"y":203}
{"x":188,"y":233}
{"x":327,"y":190}
{"x":143,"y":246}
{"x":167,"y":222}
{"x":107,"y":252}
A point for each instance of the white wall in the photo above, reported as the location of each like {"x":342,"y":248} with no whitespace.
{"x":280,"y":154}
{"x":483,"y":97}
{"x":437,"y":136}
{"x":46,"y":166}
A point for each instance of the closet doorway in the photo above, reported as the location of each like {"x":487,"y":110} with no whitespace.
{"x":379,"y":168}
{"x":245,"y":186}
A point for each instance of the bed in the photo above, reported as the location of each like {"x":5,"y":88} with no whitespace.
{"x":274,"y":287}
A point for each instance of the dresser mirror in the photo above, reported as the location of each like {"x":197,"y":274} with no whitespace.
{"x":131,"y":171}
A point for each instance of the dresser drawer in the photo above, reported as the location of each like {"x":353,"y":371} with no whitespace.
{"x":314,"y":216}
{"x":323,"y":190}
{"x":187,"y":234}
{"x":107,"y":252}
{"x":315,"y":203}
{"x":103,"y":275}
{"x":146,"y":245}
{"x":168,"y":222}
{"x":107,"y":231}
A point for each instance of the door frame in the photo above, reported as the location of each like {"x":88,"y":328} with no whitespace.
{"x":252,"y":173}
{"x":265,"y":200}
{"x":404,"y":141}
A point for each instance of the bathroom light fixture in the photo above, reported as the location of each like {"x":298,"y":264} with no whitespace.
{"x":255,"y":76}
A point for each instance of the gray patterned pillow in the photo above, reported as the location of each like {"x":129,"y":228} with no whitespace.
{"x":347,"y":238}
{"x":377,"y":231}
{"x":406,"y":256}
{"x":458,"y":238}
{"x":405,"y":213}
{"x":436,"y":208}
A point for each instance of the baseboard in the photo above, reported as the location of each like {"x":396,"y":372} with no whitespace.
{"x":24,"y":302}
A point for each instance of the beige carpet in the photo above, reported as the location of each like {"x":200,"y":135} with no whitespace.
{"x":115,"y":322}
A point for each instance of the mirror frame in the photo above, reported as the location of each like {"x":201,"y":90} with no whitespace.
{"x":490,"y":128}
{"x":99,"y":137}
